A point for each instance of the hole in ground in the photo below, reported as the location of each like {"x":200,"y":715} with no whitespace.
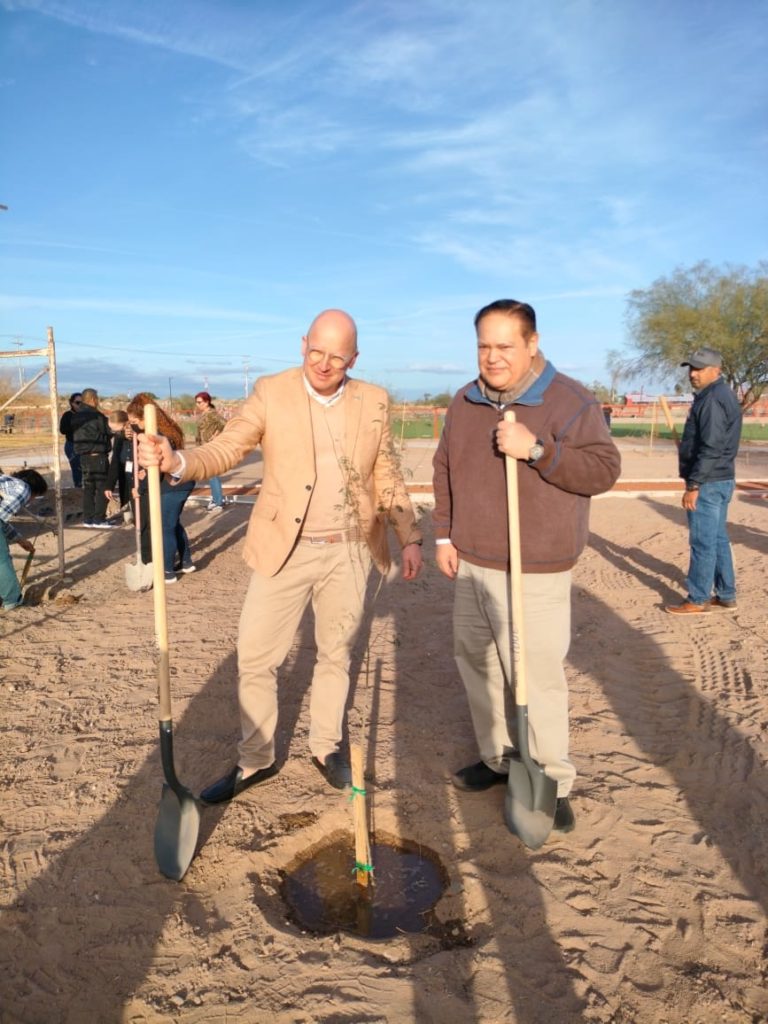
{"x":321,"y":893}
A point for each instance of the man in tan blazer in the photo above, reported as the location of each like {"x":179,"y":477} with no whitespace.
{"x":331,"y":484}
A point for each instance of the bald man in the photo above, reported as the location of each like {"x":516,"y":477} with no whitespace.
{"x":331,"y":483}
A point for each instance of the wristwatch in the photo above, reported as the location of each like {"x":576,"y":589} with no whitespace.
{"x":535,"y":452}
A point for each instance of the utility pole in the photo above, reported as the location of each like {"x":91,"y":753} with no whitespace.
{"x":246,"y":367}
{"x":19,"y":344}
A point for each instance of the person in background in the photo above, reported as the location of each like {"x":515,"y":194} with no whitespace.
{"x":331,"y":485}
{"x":122,"y":447}
{"x":209,"y":425}
{"x":65,"y":428}
{"x":93,"y":441}
{"x":177,"y":554}
{"x":707,"y":461}
{"x":564,"y":454}
{"x":16,"y":490}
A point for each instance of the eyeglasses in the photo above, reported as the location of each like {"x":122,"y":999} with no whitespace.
{"x":316,"y":355}
{"x":77,"y":401}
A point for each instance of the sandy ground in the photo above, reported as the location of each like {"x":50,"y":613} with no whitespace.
{"x":653,"y":910}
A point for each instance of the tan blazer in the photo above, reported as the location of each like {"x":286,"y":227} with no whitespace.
{"x":277,"y":416}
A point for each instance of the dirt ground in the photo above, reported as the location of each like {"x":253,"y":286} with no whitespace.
{"x":652,"y":912}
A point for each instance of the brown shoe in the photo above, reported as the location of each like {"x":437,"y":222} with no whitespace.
{"x":718,"y":602}
{"x":688,"y":608}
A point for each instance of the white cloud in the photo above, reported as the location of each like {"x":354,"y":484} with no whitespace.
{"x":133,"y":307}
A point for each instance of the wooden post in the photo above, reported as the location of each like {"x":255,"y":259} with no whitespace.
{"x":668,"y":416}
{"x":53,"y":391}
{"x":363,"y":866}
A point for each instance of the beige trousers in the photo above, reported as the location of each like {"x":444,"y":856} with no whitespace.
{"x":482,"y":648}
{"x":333,"y":577}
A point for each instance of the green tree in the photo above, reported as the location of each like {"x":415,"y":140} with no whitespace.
{"x":703,"y":306}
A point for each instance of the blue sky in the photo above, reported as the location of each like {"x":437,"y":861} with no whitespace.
{"x":189,"y":183}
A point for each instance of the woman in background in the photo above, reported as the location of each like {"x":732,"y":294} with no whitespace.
{"x":209,"y":425}
{"x":65,"y":428}
{"x":177,"y":555}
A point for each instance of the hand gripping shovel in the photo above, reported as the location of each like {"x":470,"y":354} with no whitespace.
{"x":178,"y":819}
{"x":531,"y":800}
{"x":139,"y":576}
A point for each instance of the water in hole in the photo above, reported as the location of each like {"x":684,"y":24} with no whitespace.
{"x":323,"y":896}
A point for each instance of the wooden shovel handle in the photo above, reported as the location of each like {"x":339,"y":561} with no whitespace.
{"x":158,"y":575}
{"x":668,"y":417}
{"x":516,"y":576}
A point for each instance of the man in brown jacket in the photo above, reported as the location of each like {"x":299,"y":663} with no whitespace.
{"x":331,"y":484}
{"x":565,"y":454}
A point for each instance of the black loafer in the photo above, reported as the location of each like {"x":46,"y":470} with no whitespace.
{"x":233,"y":783}
{"x":564,"y":819}
{"x":477,"y":777}
{"x":335,"y":770}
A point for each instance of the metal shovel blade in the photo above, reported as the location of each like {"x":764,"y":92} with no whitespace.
{"x":176,"y":831}
{"x":178,"y":817}
{"x":531,"y":800}
{"x":139,"y":576}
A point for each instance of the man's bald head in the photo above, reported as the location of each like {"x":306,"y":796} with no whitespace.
{"x":334,"y":322}
{"x":329,"y":349}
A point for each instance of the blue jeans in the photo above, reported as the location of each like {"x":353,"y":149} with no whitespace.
{"x":711,"y":566}
{"x":175,"y":540}
{"x":10,"y":591}
{"x":217,"y":495}
{"x":74,"y":463}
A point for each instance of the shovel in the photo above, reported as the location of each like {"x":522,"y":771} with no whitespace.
{"x":139,"y":576}
{"x":27,"y":567}
{"x":531,"y":800}
{"x":668,"y":417}
{"x":28,"y":559}
{"x":178,"y":818}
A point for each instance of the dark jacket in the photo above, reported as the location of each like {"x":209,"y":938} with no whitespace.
{"x":65,"y":425}
{"x":711,"y":435}
{"x":90,"y":432}
{"x":122,"y":450}
{"x":579,"y":460}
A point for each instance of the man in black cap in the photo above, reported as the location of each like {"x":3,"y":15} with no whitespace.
{"x":707,"y":460}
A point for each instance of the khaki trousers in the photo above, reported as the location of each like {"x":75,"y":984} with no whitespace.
{"x":333,"y":577}
{"x":482,"y":648}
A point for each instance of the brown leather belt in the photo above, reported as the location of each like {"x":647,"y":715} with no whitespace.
{"x":352,"y":534}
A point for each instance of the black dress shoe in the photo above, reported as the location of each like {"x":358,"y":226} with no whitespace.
{"x":233,"y":783}
{"x":336,"y":770}
{"x":564,"y":819}
{"x":477,"y":777}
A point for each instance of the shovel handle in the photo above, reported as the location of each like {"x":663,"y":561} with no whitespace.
{"x":158,"y":575}
{"x":668,"y":417}
{"x":27,"y":566}
{"x":135,"y":488}
{"x":516,"y":576}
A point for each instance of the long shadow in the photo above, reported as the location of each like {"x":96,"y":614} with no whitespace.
{"x":105,"y":879}
{"x":512,"y":928}
{"x":746,"y":536}
{"x":101,"y":884}
{"x":714,"y":766}
{"x":642,"y":566}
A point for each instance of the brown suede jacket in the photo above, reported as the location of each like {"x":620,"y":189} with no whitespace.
{"x":579,"y":460}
